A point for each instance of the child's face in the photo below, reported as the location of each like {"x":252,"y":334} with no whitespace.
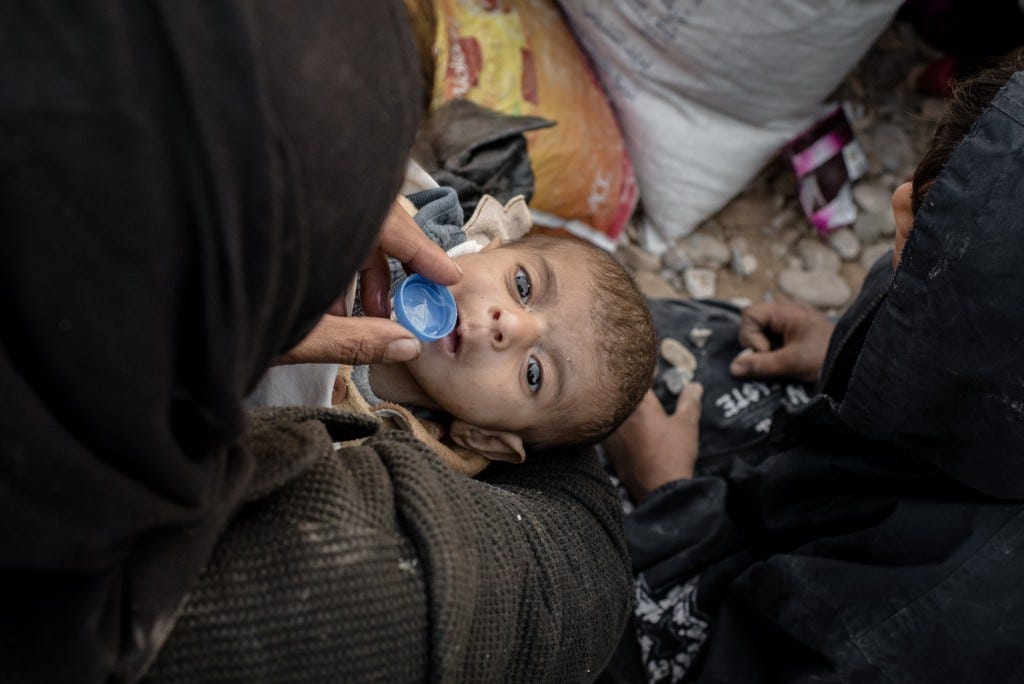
{"x":524,"y":345}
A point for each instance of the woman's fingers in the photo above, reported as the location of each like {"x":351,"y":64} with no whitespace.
{"x":755,"y":319}
{"x":375,"y":285}
{"x":402,"y":239}
{"x":353,"y":341}
{"x":767,"y":364}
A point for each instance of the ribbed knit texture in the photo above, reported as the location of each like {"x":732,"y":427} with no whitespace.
{"x":378,"y":563}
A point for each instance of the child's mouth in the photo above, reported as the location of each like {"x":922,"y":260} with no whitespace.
{"x":453,"y":340}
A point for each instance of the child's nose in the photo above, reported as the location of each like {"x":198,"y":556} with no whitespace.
{"x":509,"y":327}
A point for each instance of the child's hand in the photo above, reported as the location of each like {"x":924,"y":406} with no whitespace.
{"x":653,"y":448}
{"x":805,"y":333}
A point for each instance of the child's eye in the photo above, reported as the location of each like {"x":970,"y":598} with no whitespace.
{"x":533,"y":374}
{"x":523,"y":286}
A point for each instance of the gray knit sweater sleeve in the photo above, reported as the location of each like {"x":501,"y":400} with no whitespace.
{"x":378,"y":563}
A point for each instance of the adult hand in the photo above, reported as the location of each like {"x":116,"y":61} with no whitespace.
{"x":653,"y":448}
{"x":374,"y":338}
{"x":402,"y":239}
{"x":354,"y":340}
{"x":804,"y":331}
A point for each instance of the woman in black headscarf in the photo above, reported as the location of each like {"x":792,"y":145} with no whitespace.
{"x":186,"y":188}
{"x":875,"y":534}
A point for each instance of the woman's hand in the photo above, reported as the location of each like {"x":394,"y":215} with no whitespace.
{"x":401,"y":239}
{"x":653,"y":448}
{"x":374,"y":338}
{"x":805,"y":333}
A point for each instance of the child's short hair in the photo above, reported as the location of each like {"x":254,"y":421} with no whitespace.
{"x":966,"y":103}
{"x":627,"y":348}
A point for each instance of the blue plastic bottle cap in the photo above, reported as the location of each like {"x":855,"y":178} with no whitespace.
{"x":425,"y":308}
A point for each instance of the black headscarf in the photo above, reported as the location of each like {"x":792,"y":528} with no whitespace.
{"x":947,"y":336}
{"x":185,"y":187}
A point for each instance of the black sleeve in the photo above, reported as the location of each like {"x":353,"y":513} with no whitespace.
{"x":679,"y":527}
{"x":848,"y":335}
{"x":378,"y":562}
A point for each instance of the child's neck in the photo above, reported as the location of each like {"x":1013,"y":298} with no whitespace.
{"x":393,"y":382}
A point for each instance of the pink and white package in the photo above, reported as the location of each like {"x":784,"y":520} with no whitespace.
{"x":827,"y":159}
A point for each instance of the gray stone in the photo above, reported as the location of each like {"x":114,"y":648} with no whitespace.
{"x":700,"y":336}
{"x":790,"y":236}
{"x":673,"y":278}
{"x":872,"y":198}
{"x":700,"y":282}
{"x":778,"y":251}
{"x":744,"y":265}
{"x":739,"y":243}
{"x":676,"y":354}
{"x":741,"y":261}
{"x":676,"y":379}
{"x":705,"y":251}
{"x":675,"y":259}
{"x":890,"y":149}
{"x":786,"y":218}
{"x":740,"y":302}
{"x":872,"y":253}
{"x":818,"y":288}
{"x":749,"y":211}
{"x":888,"y":226}
{"x":816,"y":256}
{"x":844,"y":241}
{"x":636,"y":259}
{"x":868,"y":227}
{"x":654,"y":286}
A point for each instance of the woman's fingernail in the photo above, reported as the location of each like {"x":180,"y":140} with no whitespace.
{"x":404,"y":349}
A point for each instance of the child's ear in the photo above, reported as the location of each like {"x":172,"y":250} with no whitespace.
{"x":496,"y":445}
{"x":495,"y":242}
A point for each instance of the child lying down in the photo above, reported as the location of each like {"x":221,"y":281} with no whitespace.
{"x":552,"y":349}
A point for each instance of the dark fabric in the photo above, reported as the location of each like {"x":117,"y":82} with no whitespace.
{"x":734,"y":413}
{"x":975,"y":32}
{"x":173,"y":219}
{"x":877,"y":534}
{"x":478,"y":151}
{"x":379,"y":563}
{"x":439,"y":214}
{"x":951,"y":329}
